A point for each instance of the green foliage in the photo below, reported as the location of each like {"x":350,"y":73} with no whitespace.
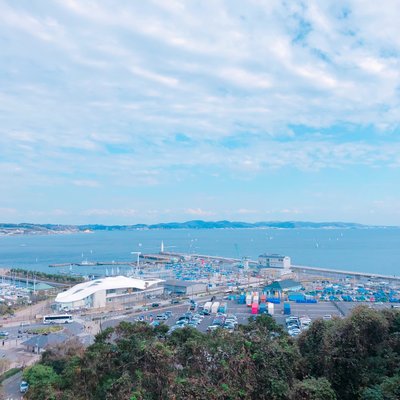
{"x":22,"y":273}
{"x":6,"y":309}
{"x":42,"y":382}
{"x":9,"y":373}
{"x":355,"y":358}
{"x":313,"y":389}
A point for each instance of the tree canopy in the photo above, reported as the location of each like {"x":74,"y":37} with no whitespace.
{"x":353,"y":358}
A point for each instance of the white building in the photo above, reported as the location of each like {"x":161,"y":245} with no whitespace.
{"x":274,"y":261}
{"x":107,"y":291}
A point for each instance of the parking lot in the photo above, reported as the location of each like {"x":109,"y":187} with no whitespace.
{"x":242,"y":312}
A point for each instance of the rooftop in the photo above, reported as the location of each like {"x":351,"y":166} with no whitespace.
{"x":85,"y":289}
{"x":273,"y":255}
{"x":177,"y":282}
{"x":283,"y":285}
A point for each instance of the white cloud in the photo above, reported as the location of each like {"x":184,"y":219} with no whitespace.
{"x":198,"y":212}
{"x":125,"y":212}
{"x":86,"y":183}
{"x":95,"y":94}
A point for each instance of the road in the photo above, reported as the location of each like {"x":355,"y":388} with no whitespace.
{"x":10,"y":388}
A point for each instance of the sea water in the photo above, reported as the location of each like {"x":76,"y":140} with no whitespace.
{"x":365,"y":250}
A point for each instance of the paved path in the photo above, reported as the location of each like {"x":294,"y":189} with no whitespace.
{"x":10,"y":388}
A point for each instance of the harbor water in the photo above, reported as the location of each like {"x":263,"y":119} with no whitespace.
{"x":363,"y":250}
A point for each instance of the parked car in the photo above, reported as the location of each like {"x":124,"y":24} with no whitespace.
{"x":212,"y":328}
{"x":4,"y":333}
{"x":161,"y":317}
{"x":23,"y":387}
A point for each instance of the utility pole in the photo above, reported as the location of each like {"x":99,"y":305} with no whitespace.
{"x":137,"y":262}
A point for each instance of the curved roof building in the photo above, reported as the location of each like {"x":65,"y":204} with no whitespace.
{"x":101,"y":292}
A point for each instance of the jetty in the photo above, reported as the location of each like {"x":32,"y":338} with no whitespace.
{"x":92,"y":263}
{"x":228,"y":260}
{"x":337,"y":273}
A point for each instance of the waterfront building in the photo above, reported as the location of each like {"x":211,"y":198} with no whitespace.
{"x":107,"y":291}
{"x":274,"y":261}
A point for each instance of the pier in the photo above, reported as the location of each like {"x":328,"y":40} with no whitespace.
{"x":337,"y":273}
{"x":92,"y":264}
{"x":164,"y":257}
{"x":228,"y":260}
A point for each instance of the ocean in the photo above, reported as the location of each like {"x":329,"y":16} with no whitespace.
{"x":365,"y":250}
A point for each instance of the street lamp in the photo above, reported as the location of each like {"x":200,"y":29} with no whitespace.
{"x":137,"y":262}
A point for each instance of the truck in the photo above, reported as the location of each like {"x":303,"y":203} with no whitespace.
{"x":263,"y":298}
{"x":248,"y":300}
{"x":215,"y":306}
{"x":207,"y":307}
{"x":271,"y":308}
{"x":254,"y":308}
{"x":242,"y":299}
{"x":222,"y":308}
{"x":305,"y":322}
{"x":286,"y":308}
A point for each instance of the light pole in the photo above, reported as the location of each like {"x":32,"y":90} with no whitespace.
{"x":137,"y":262}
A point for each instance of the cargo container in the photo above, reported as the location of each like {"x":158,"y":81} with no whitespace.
{"x":262,"y":309}
{"x":286,"y":308}
{"x":207,"y":307}
{"x":214,"y":307}
{"x":294,"y":296}
{"x":248,"y":300}
{"x":271,"y":308}
{"x":254,"y":308}
{"x":222,"y":308}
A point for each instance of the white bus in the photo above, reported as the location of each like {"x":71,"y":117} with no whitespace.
{"x":57,"y":319}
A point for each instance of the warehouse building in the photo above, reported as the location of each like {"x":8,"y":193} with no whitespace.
{"x":107,"y":291}
{"x":274,"y":261}
{"x":175,"y":286}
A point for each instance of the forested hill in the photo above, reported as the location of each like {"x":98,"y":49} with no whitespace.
{"x":357,"y":358}
{"x":27,"y":228}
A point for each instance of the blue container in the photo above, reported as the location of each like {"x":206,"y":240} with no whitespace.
{"x":262,"y":308}
{"x":273,"y":300}
{"x":294,"y":296}
{"x":286,"y":308}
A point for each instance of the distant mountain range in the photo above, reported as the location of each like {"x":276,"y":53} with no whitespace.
{"x":26,"y":228}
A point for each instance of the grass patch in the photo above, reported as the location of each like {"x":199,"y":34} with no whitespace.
{"x":47,"y":329}
{"x":9,"y":373}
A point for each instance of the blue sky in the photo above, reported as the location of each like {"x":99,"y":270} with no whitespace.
{"x":130,"y":111}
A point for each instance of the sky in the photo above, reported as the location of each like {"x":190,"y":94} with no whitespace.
{"x":123,"y":112}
